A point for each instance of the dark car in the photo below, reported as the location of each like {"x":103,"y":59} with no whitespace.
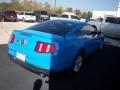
{"x":8,"y":15}
{"x":41,"y":15}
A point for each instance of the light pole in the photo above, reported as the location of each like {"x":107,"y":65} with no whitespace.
{"x":54,"y":6}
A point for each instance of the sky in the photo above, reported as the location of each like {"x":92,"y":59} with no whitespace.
{"x":84,"y":5}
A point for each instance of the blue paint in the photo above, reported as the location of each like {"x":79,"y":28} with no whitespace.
{"x":67,"y":47}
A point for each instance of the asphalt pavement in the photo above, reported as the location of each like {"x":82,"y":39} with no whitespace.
{"x":101,"y":72}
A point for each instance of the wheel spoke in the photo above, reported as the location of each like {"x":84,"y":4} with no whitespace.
{"x":78,"y":64}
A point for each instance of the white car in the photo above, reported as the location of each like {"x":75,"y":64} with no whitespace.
{"x":53,"y":16}
{"x":69,"y":15}
{"x":110,"y":26}
{"x":26,"y":16}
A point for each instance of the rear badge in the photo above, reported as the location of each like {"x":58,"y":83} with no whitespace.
{"x":22,"y":42}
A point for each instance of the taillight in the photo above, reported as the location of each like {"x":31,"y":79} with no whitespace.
{"x":45,"y":47}
{"x":12,"y":38}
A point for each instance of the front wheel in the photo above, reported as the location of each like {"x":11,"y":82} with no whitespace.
{"x":23,"y":19}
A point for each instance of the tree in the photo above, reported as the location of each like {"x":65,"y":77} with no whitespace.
{"x":15,"y":5}
{"x":47,"y":7}
{"x":69,"y":9}
{"x":4,"y":5}
{"x":89,"y":14}
{"x":84,"y":14}
{"x":59,"y":10}
{"x":77,"y":12}
{"x":15,"y":1}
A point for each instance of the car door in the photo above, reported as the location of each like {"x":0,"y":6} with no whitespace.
{"x":116,"y":29}
{"x":111,"y":27}
{"x":117,"y":32}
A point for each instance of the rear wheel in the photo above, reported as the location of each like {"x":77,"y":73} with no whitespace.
{"x":77,"y":64}
{"x":95,"y":28}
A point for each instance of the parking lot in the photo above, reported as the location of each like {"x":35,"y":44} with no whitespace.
{"x":101,"y":72}
{"x":7,"y":27}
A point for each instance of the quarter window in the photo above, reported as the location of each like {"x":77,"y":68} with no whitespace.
{"x":65,"y":16}
{"x":21,"y":13}
{"x":73,"y":17}
{"x":112,"y":20}
{"x":85,"y":30}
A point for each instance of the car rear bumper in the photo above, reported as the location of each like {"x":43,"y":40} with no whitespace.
{"x":31,"y":67}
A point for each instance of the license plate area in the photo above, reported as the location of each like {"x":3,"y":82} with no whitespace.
{"x":20,"y":56}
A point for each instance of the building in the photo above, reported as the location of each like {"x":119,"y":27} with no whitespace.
{"x":102,"y":14}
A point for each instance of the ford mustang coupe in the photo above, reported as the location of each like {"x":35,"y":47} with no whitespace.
{"x":54,"y":46}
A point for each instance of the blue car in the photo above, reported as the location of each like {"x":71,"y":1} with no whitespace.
{"x":54,"y":45}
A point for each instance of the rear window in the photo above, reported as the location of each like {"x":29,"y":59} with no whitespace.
{"x":43,"y":13}
{"x":54,"y":27}
{"x":36,"y":12}
{"x":65,"y":16}
{"x":10,"y":12}
{"x":53,"y":15}
{"x":113,"y":20}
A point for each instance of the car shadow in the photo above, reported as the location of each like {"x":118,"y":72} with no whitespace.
{"x":37,"y":84}
{"x":101,"y":72}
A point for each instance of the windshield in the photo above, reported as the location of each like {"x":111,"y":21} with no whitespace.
{"x":10,"y":12}
{"x":53,"y":15}
{"x":54,"y":27}
{"x":43,"y":13}
{"x":29,"y":14}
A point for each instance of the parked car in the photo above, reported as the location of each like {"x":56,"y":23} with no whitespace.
{"x":26,"y":16}
{"x":41,"y":15}
{"x":53,"y":16}
{"x":110,"y":26}
{"x":69,"y":15}
{"x":54,"y":45}
{"x":7,"y":15}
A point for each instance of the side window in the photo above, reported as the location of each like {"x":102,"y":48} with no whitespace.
{"x":111,"y":20}
{"x":21,"y":13}
{"x":85,"y":30}
{"x":73,"y":17}
{"x":117,"y":21}
{"x":65,"y":16}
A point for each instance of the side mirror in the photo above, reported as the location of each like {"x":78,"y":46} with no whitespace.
{"x":100,"y":19}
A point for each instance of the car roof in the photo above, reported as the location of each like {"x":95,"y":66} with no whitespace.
{"x":68,"y":13}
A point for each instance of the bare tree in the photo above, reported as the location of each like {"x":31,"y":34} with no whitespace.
{"x":69,"y":9}
{"x":77,"y":12}
{"x":59,"y":10}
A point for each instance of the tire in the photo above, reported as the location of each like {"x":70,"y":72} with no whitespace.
{"x":23,"y":19}
{"x":2,"y":19}
{"x":37,"y":18}
{"x":77,"y":64}
{"x":95,"y":28}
